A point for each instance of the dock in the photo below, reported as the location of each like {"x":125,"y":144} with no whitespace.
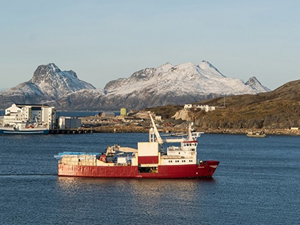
{"x":71,"y":131}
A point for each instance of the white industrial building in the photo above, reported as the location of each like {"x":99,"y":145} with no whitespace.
{"x":30,"y":113}
{"x":207,"y":108}
{"x":68,"y":122}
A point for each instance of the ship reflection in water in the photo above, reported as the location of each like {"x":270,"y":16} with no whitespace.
{"x":153,"y":194}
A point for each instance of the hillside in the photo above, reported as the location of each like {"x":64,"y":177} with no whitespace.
{"x":278,"y":109}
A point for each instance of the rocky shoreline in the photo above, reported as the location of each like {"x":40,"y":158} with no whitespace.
{"x":244,"y":131}
{"x":139,"y":129}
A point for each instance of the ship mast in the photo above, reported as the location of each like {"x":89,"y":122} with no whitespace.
{"x":158,"y":138}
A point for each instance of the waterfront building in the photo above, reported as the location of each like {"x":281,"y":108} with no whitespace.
{"x":68,"y":122}
{"x":31,"y":113}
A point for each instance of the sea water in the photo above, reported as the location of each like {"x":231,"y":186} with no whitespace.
{"x":257,"y":182}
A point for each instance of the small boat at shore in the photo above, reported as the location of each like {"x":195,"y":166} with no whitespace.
{"x":148,"y":160}
{"x":258,"y":134}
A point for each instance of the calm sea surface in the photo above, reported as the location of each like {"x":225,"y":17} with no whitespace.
{"x":257,"y":182}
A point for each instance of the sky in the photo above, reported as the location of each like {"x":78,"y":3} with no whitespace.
{"x":105,"y":40}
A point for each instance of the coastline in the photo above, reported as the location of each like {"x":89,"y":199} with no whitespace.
{"x":139,"y":129}
{"x":244,"y":131}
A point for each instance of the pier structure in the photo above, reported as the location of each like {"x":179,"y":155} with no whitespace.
{"x":71,"y":131}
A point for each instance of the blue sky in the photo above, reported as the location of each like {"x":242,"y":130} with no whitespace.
{"x":106,"y":40}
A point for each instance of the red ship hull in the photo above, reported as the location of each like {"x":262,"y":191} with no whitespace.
{"x":205,"y":169}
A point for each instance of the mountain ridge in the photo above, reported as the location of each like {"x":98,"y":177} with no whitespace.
{"x":166,"y":84}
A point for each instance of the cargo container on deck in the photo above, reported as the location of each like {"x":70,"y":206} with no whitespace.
{"x":148,"y":160}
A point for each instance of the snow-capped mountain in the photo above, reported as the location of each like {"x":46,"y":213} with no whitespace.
{"x":48,"y":83}
{"x":187,"y":78}
{"x":53,"y":82}
{"x":166,"y":84}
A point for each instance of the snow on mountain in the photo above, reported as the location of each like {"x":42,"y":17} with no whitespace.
{"x":55,"y":83}
{"x":48,"y":83}
{"x":168,"y":84}
{"x":164,"y":68}
{"x":207,"y":68}
{"x":256,"y":85}
{"x":202,"y":79}
{"x":149,"y":87}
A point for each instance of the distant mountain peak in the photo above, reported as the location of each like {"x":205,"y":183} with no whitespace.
{"x":167,"y":64}
{"x":252,"y":80}
{"x":47,"y":84}
{"x":54,"y":82}
{"x":210,"y":69}
{"x":164,"y":68}
{"x":256,"y":85}
{"x":53,"y":68}
{"x":50,"y":71}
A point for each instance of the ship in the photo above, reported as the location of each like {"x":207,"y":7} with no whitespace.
{"x":23,"y":129}
{"x":148,"y":160}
